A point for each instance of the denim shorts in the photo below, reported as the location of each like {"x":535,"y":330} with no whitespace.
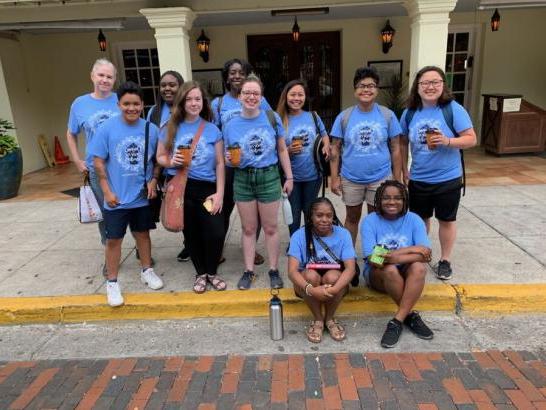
{"x":257,"y":184}
{"x":117,"y":220}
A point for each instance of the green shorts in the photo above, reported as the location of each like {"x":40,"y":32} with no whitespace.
{"x":257,"y":184}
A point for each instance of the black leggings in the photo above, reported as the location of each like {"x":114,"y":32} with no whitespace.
{"x":229,"y":203}
{"x":204,"y":232}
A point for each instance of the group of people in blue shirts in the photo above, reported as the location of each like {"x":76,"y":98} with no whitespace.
{"x":245,"y":154}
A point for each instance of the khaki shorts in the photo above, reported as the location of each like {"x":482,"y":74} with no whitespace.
{"x":353,"y":194}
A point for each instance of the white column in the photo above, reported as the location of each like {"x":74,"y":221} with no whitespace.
{"x":172,"y":25}
{"x":5,"y":104}
{"x":429,"y":29}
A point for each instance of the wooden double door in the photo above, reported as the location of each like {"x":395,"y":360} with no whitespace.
{"x":277,"y":59}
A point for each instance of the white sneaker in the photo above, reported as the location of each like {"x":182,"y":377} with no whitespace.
{"x":149,"y":278}
{"x":113,"y":293}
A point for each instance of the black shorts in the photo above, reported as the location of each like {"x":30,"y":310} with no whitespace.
{"x":138,"y":219}
{"x":441,"y":199}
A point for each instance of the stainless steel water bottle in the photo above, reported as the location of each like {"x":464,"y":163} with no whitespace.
{"x":275,"y":318}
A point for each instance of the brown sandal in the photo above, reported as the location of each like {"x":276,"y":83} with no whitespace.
{"x":200,"y":284}
{"x":336,"y":330}
{"x":314,"y":331}
{"x":216,"y":282}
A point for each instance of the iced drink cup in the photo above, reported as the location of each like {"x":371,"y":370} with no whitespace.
{"x":235,"y":154}
{"x":297,"y":143}
{"x":185,"y":150}
{"x":429,"y":134}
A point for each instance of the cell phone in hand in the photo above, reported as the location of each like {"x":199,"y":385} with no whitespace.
{"x":208,"y":205}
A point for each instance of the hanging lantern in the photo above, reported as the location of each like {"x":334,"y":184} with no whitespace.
{"x":203,"y":43}
{"x":387,"y":33}
{"x":296,"y":30}
{"x":102,"y":41}
{"x":495,"y":21}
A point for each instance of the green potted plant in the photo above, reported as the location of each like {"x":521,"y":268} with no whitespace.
{"x":11,"y":162}
{"x":395,"y":96}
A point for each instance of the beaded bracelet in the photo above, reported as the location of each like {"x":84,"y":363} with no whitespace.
{"x":307,"y":289}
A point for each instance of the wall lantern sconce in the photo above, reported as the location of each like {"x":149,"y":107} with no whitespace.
{"x":203,"y":43}
{"x":102,"y":41}
{"x":495,"y":21}
{"x":387,"y":33}
{"x":296,"y":30}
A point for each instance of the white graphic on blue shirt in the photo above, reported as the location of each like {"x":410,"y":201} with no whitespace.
{"x":307,"y":135}
{"x":257,"y":143}
{"x":95,"y":120}
{"x":440,"y":164}
{"x":367,"y":137}
{"x":129,"y":154}
{"x":393,"y":240}
{"x":418,"y":135}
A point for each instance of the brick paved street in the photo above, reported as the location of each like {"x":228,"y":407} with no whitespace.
{"x":477,"y":380}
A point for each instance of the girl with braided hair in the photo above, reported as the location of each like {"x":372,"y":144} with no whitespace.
{"x":321,"y":264}
{"x":402,"y":273}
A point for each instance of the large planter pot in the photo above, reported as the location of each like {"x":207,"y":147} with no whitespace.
{"x":11,"y":171}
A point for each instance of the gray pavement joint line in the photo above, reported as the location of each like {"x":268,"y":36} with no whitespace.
{"x":37,"y":349}
{"x":458,"y":301}
{"x":473,"y":342}
{"x":506,"y":237}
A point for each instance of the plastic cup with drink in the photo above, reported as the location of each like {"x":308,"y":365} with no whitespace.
{"x":235,"y":154}
{"x":429,"y":133}
{"x":185,"y":151}
{"x":297,"y":144}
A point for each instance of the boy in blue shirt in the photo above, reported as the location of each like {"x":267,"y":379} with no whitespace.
{"x":401,"y":274}
{"x":119,"y":149}
{"x":369,"y":135}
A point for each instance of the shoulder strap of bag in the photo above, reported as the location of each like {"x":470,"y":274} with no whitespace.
{"x":273,"y":121}
{"x":387,"y":115}
{"x":219,"y":109}
{"x":195,"y":140}
{"x":324,"y":177}
{"x":345,"y":119}
{"x":146,"y":143}
{"x":447,"y":112}
{"x":327,"y":248}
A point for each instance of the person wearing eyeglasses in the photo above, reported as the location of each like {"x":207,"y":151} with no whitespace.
{"x":399,"y":270}
{"x":254,"y":142}
{"x":436,"y":128}
{"x":366,"y":135}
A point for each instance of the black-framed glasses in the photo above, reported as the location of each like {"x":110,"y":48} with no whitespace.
{"x":371,"y":86}
{"x":434,"y":83}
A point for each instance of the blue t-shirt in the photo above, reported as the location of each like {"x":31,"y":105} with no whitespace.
{"x":303,"y":126}
{"x":340,"y":243}
{"x":87,"y":114}
{"x":408,"y":230}
{"x":231,"y":107}
{"x":440,"y":164}
{"x":165,"y":114}
{"x":256,"y":137}
{"x":121,"y":145}
{"x":203,"y":162}
{"x":366,"y":157}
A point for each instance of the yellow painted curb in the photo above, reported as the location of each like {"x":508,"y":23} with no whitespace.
{"x":509,"y":298}
{"x":184,"y":305}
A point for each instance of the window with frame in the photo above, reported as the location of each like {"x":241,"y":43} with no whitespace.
{"x":141,"y":65}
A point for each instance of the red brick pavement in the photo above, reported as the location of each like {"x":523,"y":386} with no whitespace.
{"x":477,"y":380}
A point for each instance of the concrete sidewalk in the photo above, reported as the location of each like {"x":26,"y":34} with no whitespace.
{"x":51,"y":263}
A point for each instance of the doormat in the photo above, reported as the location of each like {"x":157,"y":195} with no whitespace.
{"x":75,"y":192}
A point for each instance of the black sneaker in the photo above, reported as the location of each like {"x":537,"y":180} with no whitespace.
{"x":417,"y":326}
{"x":137,"y":255}
{"x":246,"y":280}
{"x":392,"y":333}
{"x":444,"y":271}
{"x":183,"y":256}
{"x":276,"y":280}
